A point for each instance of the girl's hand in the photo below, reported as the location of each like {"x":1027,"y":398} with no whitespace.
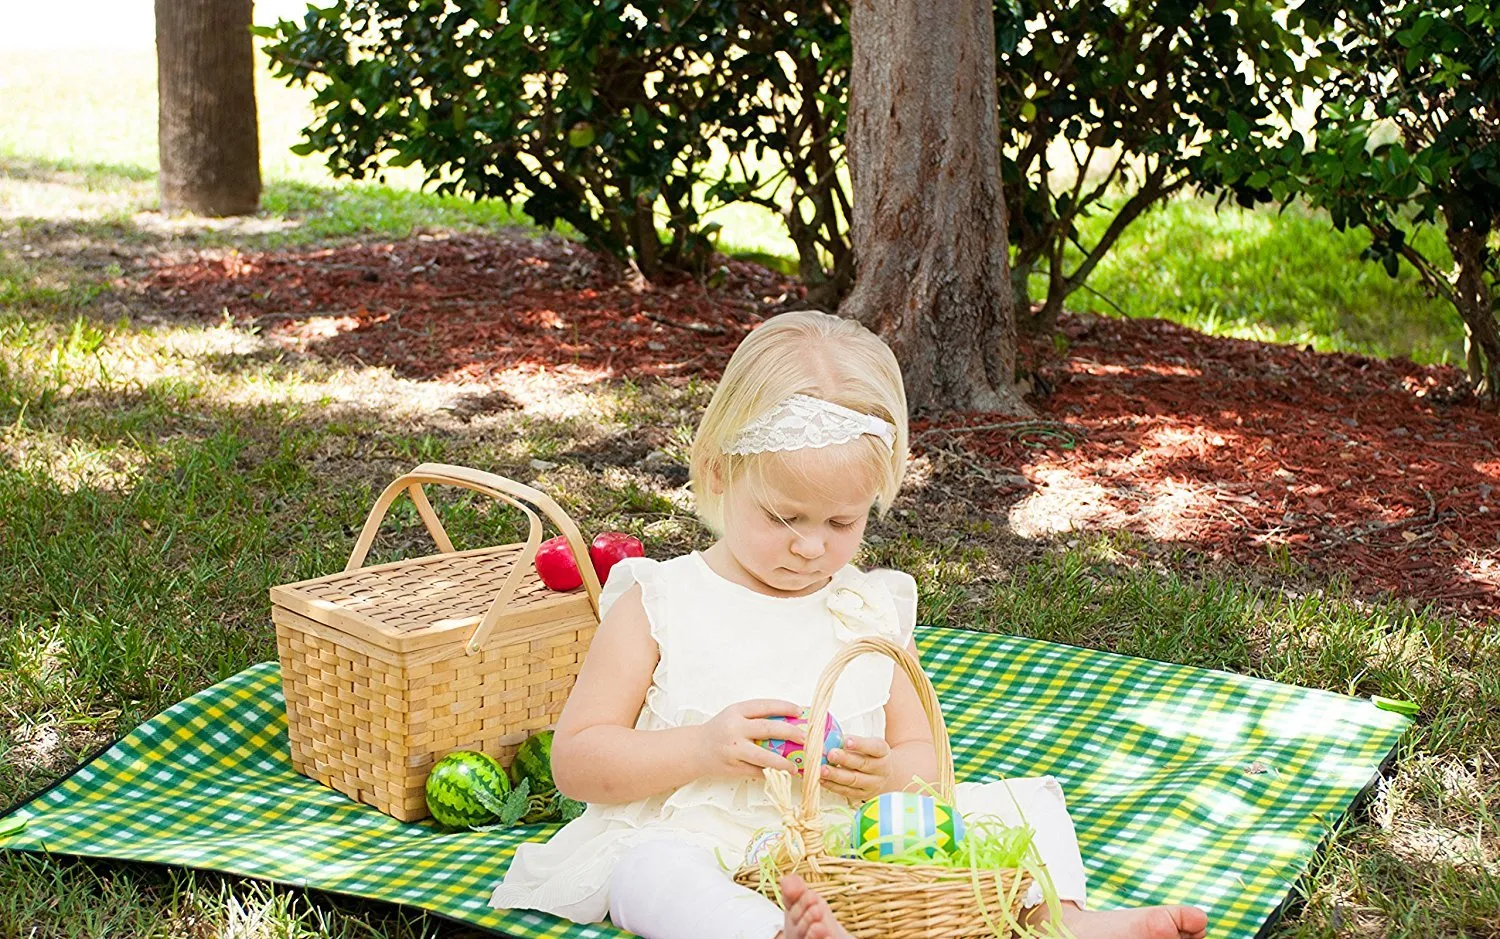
{"x":730,"y":742}
{"x":860,"y":769}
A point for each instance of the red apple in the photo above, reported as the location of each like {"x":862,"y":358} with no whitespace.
{"x":610,"y":547}
{"x":556,"y":566}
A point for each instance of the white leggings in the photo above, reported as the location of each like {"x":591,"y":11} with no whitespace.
{"x":664,"y":889}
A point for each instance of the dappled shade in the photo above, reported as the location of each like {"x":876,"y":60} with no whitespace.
{"x":1348,"y":464}
{"x":1380,"y":471}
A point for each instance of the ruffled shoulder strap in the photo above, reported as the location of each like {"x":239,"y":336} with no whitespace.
{"x":626,"y":574}
{"x":660,"y":583}
{"x":902,"y":588}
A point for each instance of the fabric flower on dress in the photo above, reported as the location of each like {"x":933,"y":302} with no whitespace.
{"x":862,"y":608}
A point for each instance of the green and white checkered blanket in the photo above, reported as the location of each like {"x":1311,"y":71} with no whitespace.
{"x":1186,"y":785}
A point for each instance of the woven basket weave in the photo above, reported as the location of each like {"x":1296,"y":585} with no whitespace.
{"x":872,"y":899}
{"x":388,"y":668}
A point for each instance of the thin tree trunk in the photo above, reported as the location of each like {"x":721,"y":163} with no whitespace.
{"x":643,"y":238}
{"x":208,"y":143}
{"x":1476,"y":304}
{"x":929,"y":226}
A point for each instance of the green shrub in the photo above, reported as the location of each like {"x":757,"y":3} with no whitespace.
{"x":1404,"y":140}
{"x":603,"y":114}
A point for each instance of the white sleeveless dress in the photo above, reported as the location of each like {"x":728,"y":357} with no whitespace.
{"x":720,"y":643}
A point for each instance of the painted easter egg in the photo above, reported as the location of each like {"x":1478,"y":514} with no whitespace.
{"x":895,"y":822}
{"x":833,"y":738}
{"x":466,"y":788}
{"x":762,"y":845}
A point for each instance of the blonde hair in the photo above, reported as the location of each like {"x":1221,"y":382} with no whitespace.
{"x":808,"y":353}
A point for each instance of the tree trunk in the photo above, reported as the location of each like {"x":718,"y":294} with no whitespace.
{"x":208,"y":143}
{"x":929,"y":226}
{"x":643,"y":237}
{"x":1475,"y":299}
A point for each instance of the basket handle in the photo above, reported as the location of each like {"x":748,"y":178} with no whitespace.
{"x":496,"y":487}
{"x":812,"y":787}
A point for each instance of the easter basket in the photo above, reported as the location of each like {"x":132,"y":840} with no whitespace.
{"x":388,"y":668}
{"x":873,"y":898}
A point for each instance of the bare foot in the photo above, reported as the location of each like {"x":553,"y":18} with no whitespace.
{"x":1149,"y":922}
{"x":807,"y":914}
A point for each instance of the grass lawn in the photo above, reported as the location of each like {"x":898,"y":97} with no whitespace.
{"x":156,"y":477}
{"x":1276,"y":277}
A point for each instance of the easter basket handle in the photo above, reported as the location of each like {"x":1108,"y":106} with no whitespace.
{"x":496,"y":487}
{"x":810,"y":816}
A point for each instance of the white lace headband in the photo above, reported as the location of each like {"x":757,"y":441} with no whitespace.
{"x":802,"y":421}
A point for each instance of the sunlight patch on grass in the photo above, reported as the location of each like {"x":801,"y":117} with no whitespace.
{"x":48,"y":200}
{"x":181,"y":369}
{"x":1428,"y":861}
{"x":70,"y":194}
{"x":1268,"y":276}
{"x":99,"y":107}
{"x":71,"y":463}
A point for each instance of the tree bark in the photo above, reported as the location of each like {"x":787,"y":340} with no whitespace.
{"x":929,"y":226}
{"x":1475,"y":300}
{"x":208,"y":142}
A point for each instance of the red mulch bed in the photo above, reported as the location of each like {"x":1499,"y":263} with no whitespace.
{"x":1375,"y":470}
{"x":1359,"y":467}
{"x":467,"y":308}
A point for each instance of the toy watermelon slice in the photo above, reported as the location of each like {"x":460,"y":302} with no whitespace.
{"x":533,"y":761}
{"x":466,"y":789}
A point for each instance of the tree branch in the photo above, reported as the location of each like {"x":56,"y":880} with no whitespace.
{"x":1152,"y":190}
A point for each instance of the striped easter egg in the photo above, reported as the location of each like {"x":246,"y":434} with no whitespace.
{"x":895,"y":822}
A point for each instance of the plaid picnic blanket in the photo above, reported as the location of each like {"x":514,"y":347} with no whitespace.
{"x":1186,"y":785}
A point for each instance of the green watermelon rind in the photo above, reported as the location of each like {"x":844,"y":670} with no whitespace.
{"x":536,"y":766}
{"x":447,"y":800}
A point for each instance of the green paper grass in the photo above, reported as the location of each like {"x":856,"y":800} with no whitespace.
{"x":988,"y":844}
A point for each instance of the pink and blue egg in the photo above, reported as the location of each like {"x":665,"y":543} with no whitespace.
{"x":794,"y":752}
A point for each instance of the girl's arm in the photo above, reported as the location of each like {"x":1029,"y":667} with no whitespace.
{"x":913,"y":751}
{"x":599,"y":756}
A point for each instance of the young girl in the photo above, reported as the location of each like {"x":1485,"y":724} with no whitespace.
{"x":804,"y":436}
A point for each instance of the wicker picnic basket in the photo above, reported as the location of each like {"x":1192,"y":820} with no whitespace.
{"x":870,"y":898}
{"x":388,"y":668}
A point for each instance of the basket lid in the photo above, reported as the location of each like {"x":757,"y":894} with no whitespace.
{"x":428,"y":601}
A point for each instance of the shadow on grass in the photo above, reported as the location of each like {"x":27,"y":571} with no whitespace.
{"x":292,"y":213}
{"x":71,"y":172}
